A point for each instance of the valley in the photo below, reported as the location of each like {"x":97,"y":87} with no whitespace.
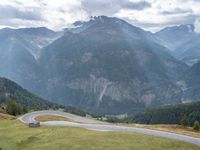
{"x":99,"y":75}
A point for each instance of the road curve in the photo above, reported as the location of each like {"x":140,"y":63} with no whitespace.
{"x":102,"y":126}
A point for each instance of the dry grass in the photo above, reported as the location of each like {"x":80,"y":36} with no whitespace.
{"x":175,"y":129}
{"x":52,"y":118}
{"x":6,"y":116}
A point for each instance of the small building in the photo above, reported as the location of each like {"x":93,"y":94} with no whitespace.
{"x":34,"y":124}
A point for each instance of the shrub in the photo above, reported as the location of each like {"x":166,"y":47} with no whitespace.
{"x":196,"y":126}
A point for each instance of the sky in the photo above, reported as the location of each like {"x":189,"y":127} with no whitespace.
{"x":151,"y":15}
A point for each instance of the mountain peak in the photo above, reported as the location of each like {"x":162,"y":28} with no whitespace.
{"x":104,"y":23}
{"x":100,"y":18}
{"x":97,"y":19}
{"x":105,"y":19}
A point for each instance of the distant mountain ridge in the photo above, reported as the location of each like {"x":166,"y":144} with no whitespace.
{"x":173,"y":36}
{"x":183,"y":42}
{"x":40,"y":37}
{"x":37,"y":37}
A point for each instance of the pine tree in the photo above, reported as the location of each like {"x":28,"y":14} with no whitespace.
{"x":184,"y":121}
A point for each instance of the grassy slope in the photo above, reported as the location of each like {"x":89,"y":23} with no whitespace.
{"x":168,"y":128}
{"x":17,"y":136}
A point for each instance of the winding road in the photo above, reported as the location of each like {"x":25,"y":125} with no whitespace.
{"x":101,"y":126}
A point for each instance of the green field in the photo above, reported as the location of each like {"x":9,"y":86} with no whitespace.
{"x":17,"y":136}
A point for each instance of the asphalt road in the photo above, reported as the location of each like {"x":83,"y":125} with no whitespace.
{"x":102,"y":126}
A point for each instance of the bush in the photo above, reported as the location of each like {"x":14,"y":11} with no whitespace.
{"x":13,"y":108}
{"x":196,"y":126}
{"x":184,"y":121}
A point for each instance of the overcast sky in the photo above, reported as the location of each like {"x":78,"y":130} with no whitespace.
{"x":151,"y":15}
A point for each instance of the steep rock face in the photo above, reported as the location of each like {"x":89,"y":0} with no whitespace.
{"x":109,"y":66}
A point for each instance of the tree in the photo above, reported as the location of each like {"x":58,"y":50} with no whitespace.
{"x":196,"y":126}
{"x":13,"y":108}
{"x":184,"y":121}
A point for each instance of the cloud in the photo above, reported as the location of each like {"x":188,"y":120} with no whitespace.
{"x":54,"y":14}
{"x":10,"y":12}
{"x":141,"y":5}
{"x":176,"y":11}
{"x":110,"y":7}
{"x":197,"y":26}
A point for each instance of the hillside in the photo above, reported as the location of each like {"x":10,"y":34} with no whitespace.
{"x":171,"y":114}
{"x":191,"y":82}
{"x":11,"y":91}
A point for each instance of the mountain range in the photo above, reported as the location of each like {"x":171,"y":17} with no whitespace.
{"x":104,"y":65}
{"x":182,"y":41}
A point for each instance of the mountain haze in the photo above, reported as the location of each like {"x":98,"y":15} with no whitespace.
{"x":16,"y":61}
